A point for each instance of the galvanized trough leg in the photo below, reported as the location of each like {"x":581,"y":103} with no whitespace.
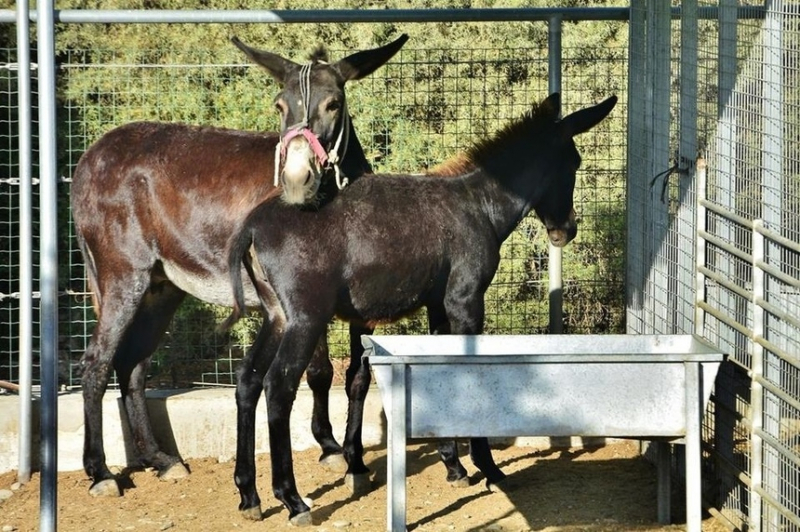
{"x":694,"y":391}
{"x":396,"y":485}
{"x":663,"y":465}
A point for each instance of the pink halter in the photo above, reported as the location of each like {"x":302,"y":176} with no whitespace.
{"x":313,"y":141}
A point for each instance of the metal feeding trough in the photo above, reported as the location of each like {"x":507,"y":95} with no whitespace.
{"x":640,"y":386}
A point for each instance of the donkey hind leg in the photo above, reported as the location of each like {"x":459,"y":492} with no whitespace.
{"x":357,"y":381}
{"x":481,"y":455}
{"x":319,"y":376}
{"x":281,"y":382}
{"x":117,"y":309}
{"x":132,"y":361}
{"x":249,"y":385}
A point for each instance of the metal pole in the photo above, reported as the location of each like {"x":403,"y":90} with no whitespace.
{"x":725,"y":161}
{"x":25,"y":242}
{"x":554,"y":262}
{"x":721,"y":189}
{"x":664,"y":481}
{"x":396,"y":484}
{"x":299,"y":16}
{"x":774,"y":473}
{"x":637,"y":157}
{"x":756,"y":389}
{"x":700,"y":250}
{"x":45,"y":29}
{"x":686,"y":160}
{"x":694,"y":414}
{"x":660,"y":285}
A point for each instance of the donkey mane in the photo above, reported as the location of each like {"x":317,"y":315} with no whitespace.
{"x":506,"y":141}
{"x":319,"y":55}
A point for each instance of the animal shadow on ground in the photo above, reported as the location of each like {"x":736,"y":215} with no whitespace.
{"x":587,"y":488}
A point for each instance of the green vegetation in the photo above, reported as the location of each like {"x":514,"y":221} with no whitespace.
{"x":451,"y":84}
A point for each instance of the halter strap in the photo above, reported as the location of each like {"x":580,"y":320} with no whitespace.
{"x":330,"y":159}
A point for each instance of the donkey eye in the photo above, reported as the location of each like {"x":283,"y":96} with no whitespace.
{"x":280,"y":107}
{"x":333,"y":106}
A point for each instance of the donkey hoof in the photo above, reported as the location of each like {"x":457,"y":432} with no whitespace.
{"x":105,"y":488}
{"x":358,"y":484}
{"x":174,"y":472}
{"x":253,"y":514}
{"x":334,"y":462}
{"x":301,"y":519}
{"x":462,"y":482}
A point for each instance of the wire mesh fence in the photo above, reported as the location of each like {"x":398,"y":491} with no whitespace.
{"x":717,"y":252}
{"x":688,"y":201}
{"x":423,"y":107}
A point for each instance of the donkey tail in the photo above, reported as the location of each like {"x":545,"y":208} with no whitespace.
{"x":91,"y":272}
{"x":238,"y":255}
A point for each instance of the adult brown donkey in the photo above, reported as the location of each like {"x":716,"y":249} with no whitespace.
{"x":154,"y":205}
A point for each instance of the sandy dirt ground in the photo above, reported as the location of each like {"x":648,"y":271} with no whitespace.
{"x":607,"y":489}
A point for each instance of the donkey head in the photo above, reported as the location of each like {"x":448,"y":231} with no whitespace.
{"x":315,"y":124}
{"x":557,"y":212}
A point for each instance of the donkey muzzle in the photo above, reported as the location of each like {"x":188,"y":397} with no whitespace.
{"x":562,"y":234}
{"x":302,"y":169}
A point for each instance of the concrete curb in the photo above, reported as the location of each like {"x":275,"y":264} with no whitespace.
{"x":193,"y":423}
{"x":200,"y":423}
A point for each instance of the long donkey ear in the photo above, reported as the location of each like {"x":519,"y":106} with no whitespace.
{"x":361,"y":64}
{"x":276,"y":65}
{"x":552,"y":105}
{"x":585,"y":119}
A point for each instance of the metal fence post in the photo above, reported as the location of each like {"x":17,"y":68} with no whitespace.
{"x":687,"y":157}
{"x":660,"y":318}
{"x":556,"y":289}
{"x":725,"y":162}
{"x":700,"y":249}
{"x":721,"y":191}
{"x":25,"y":242}
{"x":45,"y":29}
{"x":638,"y":154}
{"x":772,"y":189}
{"x":757,"y":390}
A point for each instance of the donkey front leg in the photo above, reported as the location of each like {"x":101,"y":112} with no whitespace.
{"x":457,"y":476}
{"x":465,"y":312}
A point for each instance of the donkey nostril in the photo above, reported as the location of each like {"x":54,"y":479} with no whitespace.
{"x":308,"y":179}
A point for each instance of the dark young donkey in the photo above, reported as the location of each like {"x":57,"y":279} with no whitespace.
{"x":154,"y":206}
{"x":391,"y":244}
